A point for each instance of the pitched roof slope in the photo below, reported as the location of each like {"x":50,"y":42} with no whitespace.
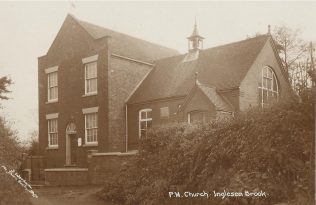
{"x":129,"y":46}
{"x":223,"y":67}
{"x":219,"y":102}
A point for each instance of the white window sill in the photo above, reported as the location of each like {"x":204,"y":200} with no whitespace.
{"x":52,"y":101}
{"x":51,"y":147}
{"x":90,"y":145}
{"x":89,"y":94}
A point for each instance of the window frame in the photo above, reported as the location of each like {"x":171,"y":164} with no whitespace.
{"x":86,"y":79}
{"x":50,"y":133}
{"x":91,"y":128}
{"x":204,"y":112}
{"x":50,"y":87}
{"x":146,"y":120}
{"x":164,"y":110}
{"x":264,"y":85}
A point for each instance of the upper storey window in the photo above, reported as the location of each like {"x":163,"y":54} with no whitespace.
{"x":52,"y":84}
{"x":91,"y":75}
{"x":91,"y":78}
{"x":268,"y":87}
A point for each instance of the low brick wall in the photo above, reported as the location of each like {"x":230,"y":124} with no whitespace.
{"x":66,"y":176}
{"x":101,"y":166}
{"x":104,"y":165}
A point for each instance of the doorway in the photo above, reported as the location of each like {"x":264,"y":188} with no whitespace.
{"x":71,"y":145}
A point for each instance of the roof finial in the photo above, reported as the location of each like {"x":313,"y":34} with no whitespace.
{"x":269,"y":29}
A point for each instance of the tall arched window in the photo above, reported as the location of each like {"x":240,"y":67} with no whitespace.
{"x":268,"y":87}
{"x":145,"y":120}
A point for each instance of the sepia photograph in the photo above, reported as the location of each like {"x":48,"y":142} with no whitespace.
{"x":157,"y":102}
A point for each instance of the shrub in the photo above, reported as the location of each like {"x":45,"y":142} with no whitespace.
{"x":269,"y":149}
{"x":11,"y":192}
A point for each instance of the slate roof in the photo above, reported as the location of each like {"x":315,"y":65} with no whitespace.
{"x":129,"y":46}
{"x":223,"y":67}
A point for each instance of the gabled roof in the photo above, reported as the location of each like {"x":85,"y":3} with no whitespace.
{"x":128,"y":46}
{"x":219,"y":102}
{"x":223,"y":67}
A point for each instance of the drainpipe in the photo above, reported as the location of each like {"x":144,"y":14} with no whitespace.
{"x":126,"y":129}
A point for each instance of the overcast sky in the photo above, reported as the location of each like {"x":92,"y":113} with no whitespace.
{"x":27,"y":30}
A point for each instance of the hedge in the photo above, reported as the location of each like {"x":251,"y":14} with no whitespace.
{"x":270,"y":149}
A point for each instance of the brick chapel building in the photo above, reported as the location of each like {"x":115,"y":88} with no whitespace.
{"x":101,"y":90}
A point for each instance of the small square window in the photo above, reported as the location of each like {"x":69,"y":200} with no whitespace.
{"x":164,"y":112}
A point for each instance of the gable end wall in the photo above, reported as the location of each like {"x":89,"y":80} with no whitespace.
{"x":249,"y":87}
{"x":67,"y":53}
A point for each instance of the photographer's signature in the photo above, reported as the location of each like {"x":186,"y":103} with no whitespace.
{"x":20,"y":180}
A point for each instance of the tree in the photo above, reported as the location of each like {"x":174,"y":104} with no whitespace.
{"x":11,"y":192}
{"x":297,"y":58}
{"x":290,"y":45}
{"x":32,"y":144}
{"x":4,"y":83}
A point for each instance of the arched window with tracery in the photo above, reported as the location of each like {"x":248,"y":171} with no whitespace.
{"x":268,"y":89}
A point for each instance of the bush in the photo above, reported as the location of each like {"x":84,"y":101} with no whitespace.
{"x":269,"y":149}
{"x":11,"y":192}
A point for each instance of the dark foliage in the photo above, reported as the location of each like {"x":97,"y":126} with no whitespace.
{"x":11,"y":192}
{"x":4,"y":83}
{"x":269,"y":149}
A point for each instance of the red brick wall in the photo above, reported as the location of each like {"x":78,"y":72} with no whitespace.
{"x":67,"y":52}
{"x":101,"y":167}
{"x":232,"y":97}
{"x":124,"y":76}
{"x":198,"y":101}
{"x":249,"y":86}
{"x":70,"y":40}
{"x":133,"y":117}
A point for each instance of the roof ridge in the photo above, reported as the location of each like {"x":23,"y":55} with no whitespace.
{"x":120,"y":33}
{"x":236,"y":42}
{"x":166,"y":58}
{"x":228,"y":44}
